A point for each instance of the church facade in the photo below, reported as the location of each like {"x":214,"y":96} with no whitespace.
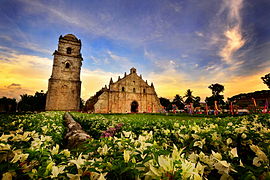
{"x":130,"y":94}
{"x":64,"y":87}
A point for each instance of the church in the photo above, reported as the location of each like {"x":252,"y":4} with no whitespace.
{"x":130,"y":94}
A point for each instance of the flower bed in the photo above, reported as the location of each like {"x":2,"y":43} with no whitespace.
{"x":29,"y":144}
{"x":163,"y":148}
{"x":136,"y":146}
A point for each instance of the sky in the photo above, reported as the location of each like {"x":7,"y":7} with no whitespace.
{"x":176,"y":44}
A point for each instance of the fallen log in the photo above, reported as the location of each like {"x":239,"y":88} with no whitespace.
{"x":76,"y":135}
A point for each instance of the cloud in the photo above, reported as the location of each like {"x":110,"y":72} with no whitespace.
{"x":94,"y":80}
{"x":118,"y":62}
{"x":233,"y":34}
{"x":26,"y":74}
{"x":24,"y":44}
{"x":234,"y":10}
{"x":234,"y":42}
{"x":171,"y":82}
{"x":22,"y":73}
{"x":200,"y":34}
{"x":14,"y":85}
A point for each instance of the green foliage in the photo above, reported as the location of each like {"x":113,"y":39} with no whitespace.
{"x":32,"y":103}
{"x":146,"y":146}
{"x":208,"y":136}
{"x":27,"y":142}
{"x":7,"y":104}
{"x":197,"y":100}
{"x":189,"y":97}
{"x":165,"y":103}
{"x":216,"y":90}
{"x":178,"y":101}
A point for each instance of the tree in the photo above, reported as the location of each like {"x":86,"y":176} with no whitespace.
{"x":216,"y":90}
{"x":178,"y":101}
{"x":165,"y":103}
{"x":189,"y":97}
{"x":266,"y":80}
{"x":7,"y":104}
{"x":197,"y":100}
{"x":32,"y":103}
{"x":82,"y":104}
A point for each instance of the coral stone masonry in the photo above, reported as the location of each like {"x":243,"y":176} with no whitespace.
{"x":65,"y":85}
{"x":130,"y":94}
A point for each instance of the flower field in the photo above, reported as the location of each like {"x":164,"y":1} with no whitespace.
{"x":136,"y":146}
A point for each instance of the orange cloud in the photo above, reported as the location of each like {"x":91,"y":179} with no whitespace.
{"x":171,"y":82}
{"x":29,"y":72}
{"x":21,"y":74}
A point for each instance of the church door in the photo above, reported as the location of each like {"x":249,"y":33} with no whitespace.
{"x":134,"y":107}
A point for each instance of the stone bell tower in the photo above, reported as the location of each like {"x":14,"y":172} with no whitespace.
{"x":64,"y":88}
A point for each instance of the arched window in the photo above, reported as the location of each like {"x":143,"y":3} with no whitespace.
{"x":67,"y":65}
{"x":68,"y":50}
{"x":133,"y":82}
{"x":123,"y":89}
{"x":144,"y":91}
{"x":134,"y":90}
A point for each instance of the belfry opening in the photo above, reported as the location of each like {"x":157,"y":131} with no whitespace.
{"x":134,"y":107}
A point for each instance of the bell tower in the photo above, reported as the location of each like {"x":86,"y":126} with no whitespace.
{"x":64,"y":88}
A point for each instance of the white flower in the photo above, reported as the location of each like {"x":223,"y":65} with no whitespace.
{"x":126,"y":155}
{"x":66,"y":152}
{"x":57,"y":170}
{"x":19,"y":156}
{"x":4,"y":147}
{"x":78,"y":162}
{"x":257,"y":162}
{"x":241,"y":164}
{"x":104,"y":150}
{"x":44,"y":129}
{"x":7,"y":176}
{"x":102,"y":176}
{"x":74,"y":176}
{"x":261,"y":155}
{"x":244,"y":136}
{"x":240,"y":129}
{"x":200,"y":143}
{"x":166,"y":131}
{"x":188,"y":170}
{"x":195,"y":136}
{"x":176,"y":125}
{"x":127,"y":134}
{"x":217,"y":155}
{"x":4,"y":137}
{"x":165,"y":163}
{"x":176,"y":153}
{"x":154,"y":172}
{"x":223,"y":167}
{"x":229,"y":141}
{"x":55,"y":149}
{"x":234,"y":152}
{"x":50,"y":165}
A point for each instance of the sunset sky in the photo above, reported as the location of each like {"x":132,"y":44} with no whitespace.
{"x":176,"y":44}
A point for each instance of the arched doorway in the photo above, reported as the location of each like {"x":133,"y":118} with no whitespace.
{"x":134,"y":107}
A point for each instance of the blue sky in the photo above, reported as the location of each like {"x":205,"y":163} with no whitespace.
{"x":175,"y":44}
